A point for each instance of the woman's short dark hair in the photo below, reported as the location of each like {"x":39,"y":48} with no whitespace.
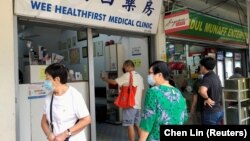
{"x":160,"y":67}
{"x":58,"y":70}
{"x":208,"y":62}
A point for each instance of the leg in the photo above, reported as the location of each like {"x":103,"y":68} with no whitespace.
{"x":138,"y":130}
{"x":196,"y":118}
{"x":128,"y":120}
{"x":131,"y":133}
{"x":137,"y":122}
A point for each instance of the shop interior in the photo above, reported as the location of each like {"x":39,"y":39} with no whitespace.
{"x":183,"y":60}
{"x":42,"y":43}
{"x":184,"y":57}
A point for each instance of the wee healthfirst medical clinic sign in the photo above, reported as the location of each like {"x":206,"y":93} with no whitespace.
{"x":129,"y":15}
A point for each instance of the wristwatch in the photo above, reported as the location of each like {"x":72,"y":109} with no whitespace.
{"x":206,"y":98}
{"x":68,"y":132}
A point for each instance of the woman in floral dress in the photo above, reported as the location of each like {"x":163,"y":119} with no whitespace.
{"x":163,"y":105}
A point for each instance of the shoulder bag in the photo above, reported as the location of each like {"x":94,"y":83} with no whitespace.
{"x":126,"y":97}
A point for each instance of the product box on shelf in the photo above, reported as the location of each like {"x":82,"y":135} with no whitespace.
{"x":229,"y":95}
{"x":232,"y":115}
{"x":237,"y":83}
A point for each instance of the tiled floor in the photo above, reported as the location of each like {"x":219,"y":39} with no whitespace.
{"x":111,"y":132}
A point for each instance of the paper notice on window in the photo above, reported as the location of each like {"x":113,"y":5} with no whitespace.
{"x":42,"y":75}
{"x":137,"y":62}
{"x":37,"y":91}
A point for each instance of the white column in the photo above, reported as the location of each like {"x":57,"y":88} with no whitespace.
{"x":7,"y":72}
{"x":91,"y":84}
{"x":160,"y":39}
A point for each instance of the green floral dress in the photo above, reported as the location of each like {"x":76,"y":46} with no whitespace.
{"x":163,"y":105}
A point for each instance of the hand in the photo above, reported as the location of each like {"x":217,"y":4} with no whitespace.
{"x":103,"y":76}
{"x":209,"y":102}
{"x":51,"y":137}
{"x":61,"y":137}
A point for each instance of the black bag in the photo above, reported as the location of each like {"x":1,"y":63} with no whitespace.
{"x":51,"y":125}
{"x":67,"y":139}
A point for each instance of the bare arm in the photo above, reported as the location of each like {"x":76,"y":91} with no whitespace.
{"x":46,"y":129}
{"x":207,"y":100}
{"x":110,"y":81}
{"x":83,"y":122}
{"x":203,"y":92}
{"x":143,"y":135}
{"x":194,"y":103}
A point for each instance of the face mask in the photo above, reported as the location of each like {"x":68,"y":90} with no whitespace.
{"x":150,"y":80}
{"x":48,"y":85}
{"x":200,"y":76}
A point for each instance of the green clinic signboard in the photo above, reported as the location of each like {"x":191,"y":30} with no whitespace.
{"x":204,"y":27}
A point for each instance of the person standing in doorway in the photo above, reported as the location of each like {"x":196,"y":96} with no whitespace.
{"x":237,"y":73}
{"x":211,"y":91}
{"x":65,"y":113}
{"x":130,"y":116}
{"x":195,"y":110}
{"x":163,"y":104}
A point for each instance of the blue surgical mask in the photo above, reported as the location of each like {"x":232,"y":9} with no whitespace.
{"x":150,"y":80}
{"x":48,"y":85}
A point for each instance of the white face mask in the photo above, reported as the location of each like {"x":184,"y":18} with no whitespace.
{"x":48,"y":85}
{"x":150,"y":80}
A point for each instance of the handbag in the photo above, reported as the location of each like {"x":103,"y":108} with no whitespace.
{"x":126,"y":97}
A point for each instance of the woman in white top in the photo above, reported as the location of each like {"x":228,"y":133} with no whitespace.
{"x":64,"y":106}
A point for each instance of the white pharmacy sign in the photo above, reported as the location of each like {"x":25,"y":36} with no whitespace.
{"x":128,"y":15}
